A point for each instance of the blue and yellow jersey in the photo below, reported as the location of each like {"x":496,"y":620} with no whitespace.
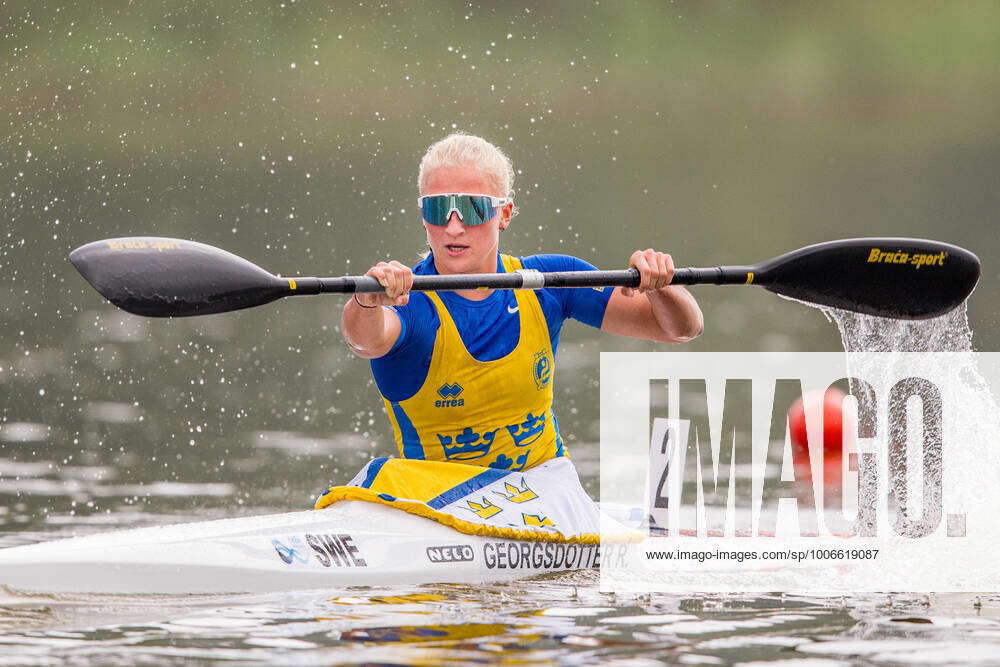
{"x":472,"y":381}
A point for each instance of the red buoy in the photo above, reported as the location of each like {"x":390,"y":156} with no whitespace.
{"x":833,"y":435}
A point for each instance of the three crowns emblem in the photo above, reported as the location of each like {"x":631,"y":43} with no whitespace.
{"x":537,"y":521}
{"x":485,"y":510}
{"x":515,"y":494}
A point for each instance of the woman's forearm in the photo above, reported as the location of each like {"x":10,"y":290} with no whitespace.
{"x":677,"y":313}
{"x":369,"y":332}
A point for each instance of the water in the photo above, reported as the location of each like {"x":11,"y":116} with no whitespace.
{"x":726,"y":135}
{"x":111,"y":464}
{"x":125,"y":422}
{"x":558,"y":618}
{"x":940,"y":350}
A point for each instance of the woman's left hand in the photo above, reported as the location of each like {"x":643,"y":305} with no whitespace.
{"x":656,"y":270}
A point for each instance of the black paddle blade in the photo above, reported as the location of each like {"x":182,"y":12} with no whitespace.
{"x":160,"y":277}
{"x":910,"y":279}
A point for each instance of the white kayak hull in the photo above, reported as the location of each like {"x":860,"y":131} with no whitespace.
{"x":348,"y":544}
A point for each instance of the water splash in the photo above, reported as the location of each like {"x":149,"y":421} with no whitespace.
{"x":962,"y":414}
{"x":865,"y":333}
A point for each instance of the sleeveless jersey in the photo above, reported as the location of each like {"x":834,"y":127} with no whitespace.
{"x":495,"y":414}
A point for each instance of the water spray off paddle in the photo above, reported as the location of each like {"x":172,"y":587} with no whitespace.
{"x":967,"y":466}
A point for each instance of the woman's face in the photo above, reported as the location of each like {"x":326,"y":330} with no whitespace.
{"x":460,"y":248}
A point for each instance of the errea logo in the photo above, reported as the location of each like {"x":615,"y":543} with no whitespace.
{"x":449,"y":392}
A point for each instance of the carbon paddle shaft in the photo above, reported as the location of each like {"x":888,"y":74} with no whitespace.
{"x":464,"y":281}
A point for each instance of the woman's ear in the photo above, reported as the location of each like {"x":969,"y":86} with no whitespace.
{"x":505,"y":215}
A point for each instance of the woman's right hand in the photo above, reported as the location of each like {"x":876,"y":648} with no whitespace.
{"x":397,"y":280}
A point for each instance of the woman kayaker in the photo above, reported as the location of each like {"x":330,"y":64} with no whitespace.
{"x":467,"y":377}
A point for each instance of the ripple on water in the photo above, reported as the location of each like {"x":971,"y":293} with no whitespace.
{"x":547,"y":619}
{"x":93,"y":488}
{"x":113,"y":413}
{"x":295,"y":443}
{"x":908,"y":651}
{"x":24,"y":432}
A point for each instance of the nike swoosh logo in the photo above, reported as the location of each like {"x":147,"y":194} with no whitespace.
{"x":512,"y":310}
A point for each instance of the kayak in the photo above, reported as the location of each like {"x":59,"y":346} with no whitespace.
{"x":351,"y":543}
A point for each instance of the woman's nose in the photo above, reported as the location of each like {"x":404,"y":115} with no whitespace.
{"x":454,"y":225}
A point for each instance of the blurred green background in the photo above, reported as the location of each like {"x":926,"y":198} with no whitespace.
{"x":290,"y":132}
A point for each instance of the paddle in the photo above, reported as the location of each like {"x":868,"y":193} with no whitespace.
{"x":889,"y":277}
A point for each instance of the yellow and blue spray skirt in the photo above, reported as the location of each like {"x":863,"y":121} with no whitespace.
{"x":544,"y":503}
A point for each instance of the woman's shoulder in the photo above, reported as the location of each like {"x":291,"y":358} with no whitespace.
{"x":425,"y":265}
{"x":556,"y":262}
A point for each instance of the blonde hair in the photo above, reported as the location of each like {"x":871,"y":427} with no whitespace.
{"x":459,"y":149}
